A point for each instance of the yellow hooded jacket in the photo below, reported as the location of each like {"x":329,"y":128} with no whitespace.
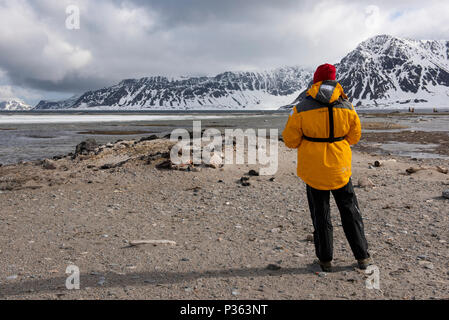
{"x":323,"y":165}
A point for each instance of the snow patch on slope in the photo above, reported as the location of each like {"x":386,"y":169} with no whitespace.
{"x":14,"y":105}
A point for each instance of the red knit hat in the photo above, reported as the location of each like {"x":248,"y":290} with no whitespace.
{"x":324,"y":72}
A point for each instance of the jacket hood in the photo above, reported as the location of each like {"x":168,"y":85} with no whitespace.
{"x":327,"y":91}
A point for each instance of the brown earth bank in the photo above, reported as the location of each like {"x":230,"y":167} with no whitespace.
{"x":385,"y":125}
{"x":440,"y":138}
{"x":234,"y":238}
{"x":396,"y":114}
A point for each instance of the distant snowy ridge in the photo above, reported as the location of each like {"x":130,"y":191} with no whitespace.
{"x":56,"y":105}
{"x":14,"y":105}
{"x":229,"y":90}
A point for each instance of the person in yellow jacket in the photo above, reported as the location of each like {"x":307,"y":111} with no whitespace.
{"x":322,"y":127}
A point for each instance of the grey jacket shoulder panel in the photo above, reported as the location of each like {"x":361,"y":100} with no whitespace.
{"x":343,"y":104}
{"x":309,"y":103}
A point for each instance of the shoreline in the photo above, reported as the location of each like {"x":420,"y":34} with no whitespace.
{"x":369,"y":111}
{"x":379,"y":133}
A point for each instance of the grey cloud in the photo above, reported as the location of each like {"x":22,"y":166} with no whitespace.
{"x":71,"y":83}
{"x":175,"y":12}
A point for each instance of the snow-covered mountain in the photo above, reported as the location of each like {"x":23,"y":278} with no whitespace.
{"x":229,"y":90}
{"x":14,"y":105}
{"x":388,"y":71}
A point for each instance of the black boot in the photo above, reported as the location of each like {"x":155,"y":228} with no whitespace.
{"x":326,"y":266}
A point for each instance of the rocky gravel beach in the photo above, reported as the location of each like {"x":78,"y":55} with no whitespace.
{"x":139,"y":227}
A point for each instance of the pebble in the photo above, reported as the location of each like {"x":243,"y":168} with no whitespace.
{"x":13,"y":277}
{"x":235,"y":292}
{"x":253,"y":173}
{"x":426,"y":264}
{"x":446,"y":194}
{"x":101,"y":281}
{"x":274,"y":267}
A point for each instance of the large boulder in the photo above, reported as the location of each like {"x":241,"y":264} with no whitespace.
{"x":86,"y":147}
{"x":48,"y":164}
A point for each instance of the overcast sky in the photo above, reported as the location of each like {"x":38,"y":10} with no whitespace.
{"x":41,"y":59}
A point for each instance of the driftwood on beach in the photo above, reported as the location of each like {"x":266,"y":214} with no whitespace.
{"x":135,"y":243}
{"x":420,"y":168}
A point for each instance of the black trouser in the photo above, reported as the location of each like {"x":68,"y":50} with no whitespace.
{"x":351,"y":219}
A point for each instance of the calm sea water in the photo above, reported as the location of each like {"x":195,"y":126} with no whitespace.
{"x":26,"y":136}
